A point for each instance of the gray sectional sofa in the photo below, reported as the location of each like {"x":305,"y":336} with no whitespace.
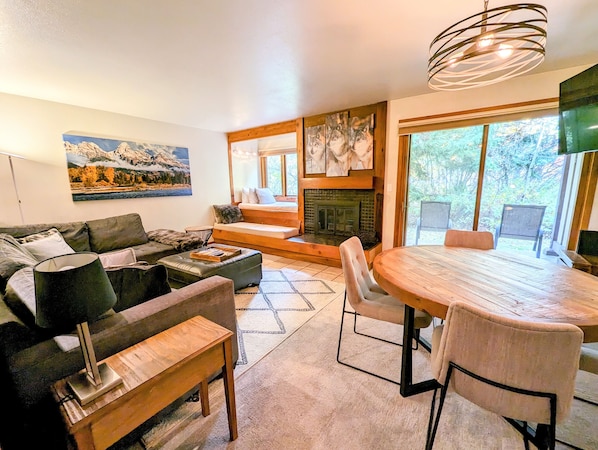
{"x":31,"y":359}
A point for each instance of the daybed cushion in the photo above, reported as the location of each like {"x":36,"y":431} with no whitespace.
{"x":277,"y":206}
{"x":117,"y":232}
{"x":259,"y":229}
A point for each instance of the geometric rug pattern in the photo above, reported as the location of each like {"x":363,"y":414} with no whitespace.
{"x":262,"y":310}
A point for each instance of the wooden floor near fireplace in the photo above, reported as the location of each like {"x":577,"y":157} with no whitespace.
{"x":308,"y":247}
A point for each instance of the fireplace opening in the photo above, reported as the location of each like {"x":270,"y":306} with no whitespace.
{"x":339,"y":218}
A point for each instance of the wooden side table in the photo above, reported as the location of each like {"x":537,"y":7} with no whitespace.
{"x":155,"y":373}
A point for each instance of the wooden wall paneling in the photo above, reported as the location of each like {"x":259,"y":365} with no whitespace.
{"x":401,"y":189}
{"x":300,"y":172}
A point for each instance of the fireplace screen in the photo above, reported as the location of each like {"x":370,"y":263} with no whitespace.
{"x":338,"y":218}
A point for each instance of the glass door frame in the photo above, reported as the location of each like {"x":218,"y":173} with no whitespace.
{"x":487,"y":116}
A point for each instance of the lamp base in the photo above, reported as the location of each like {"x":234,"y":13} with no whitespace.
{"x":85,"y":391}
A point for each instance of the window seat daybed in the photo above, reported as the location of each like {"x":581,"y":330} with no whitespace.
{"x":257,"y":229}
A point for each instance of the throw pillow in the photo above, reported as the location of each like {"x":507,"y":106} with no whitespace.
{"x":13,"y":257}
{"x":46,"y":244}
{"x":265,"y":196}
{"x":118,"y":258}
{"x":115,"y":233}
{"x":253,"y":196}
{"x":136,"y":284}
{"x":227,"y":214}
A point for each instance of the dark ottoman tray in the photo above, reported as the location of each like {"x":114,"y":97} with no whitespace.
{"x":244,"y":269}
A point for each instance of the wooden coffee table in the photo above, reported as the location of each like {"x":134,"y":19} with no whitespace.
{"x":155,"y":373}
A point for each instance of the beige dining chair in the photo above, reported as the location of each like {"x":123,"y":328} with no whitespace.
{"x":522,"y":370}
{"x":368,"y":299}
{"x":483,"y":240}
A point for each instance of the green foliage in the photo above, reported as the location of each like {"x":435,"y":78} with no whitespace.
{"x":521,"y":167}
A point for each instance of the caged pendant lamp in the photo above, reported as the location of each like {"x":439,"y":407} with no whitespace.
{"x":488,"y":47}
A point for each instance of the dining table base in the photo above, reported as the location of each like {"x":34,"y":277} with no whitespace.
{"x":407,"y":387}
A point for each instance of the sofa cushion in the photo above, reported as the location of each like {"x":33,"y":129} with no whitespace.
{"x":13,"y":257}
{"x":135,"y":284}
{"x":74,"y":233}
{"x":46,"y":244}
{"x":116,"y":232}
{"x":227,"y":214}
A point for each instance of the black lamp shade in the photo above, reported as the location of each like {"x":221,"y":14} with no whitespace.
{"x":71,"y":289}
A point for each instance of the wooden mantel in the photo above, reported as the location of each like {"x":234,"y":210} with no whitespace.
{"x":366,"y":182}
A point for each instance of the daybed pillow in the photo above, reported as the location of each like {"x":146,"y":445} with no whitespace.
{"x":245,"y":195}
{"x":265,"y":196}
{"x":227,"y":213}
{"x":118,"y":258}
{"x":46,"y":244}
{"x":13,"y":257}
{"x":253,"y":196}
{"x":115,"y":233}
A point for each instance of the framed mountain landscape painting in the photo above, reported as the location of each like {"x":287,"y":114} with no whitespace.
{"x":102,"y":169}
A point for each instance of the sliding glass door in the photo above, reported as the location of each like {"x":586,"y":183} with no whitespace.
{"x":502,"y":177}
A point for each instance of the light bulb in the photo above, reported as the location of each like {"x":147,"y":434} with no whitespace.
{"x":505,"y":50}
{"x":485,"y":40}
{"x":455,"y":60}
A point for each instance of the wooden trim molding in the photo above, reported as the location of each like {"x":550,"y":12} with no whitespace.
{"x":585,"y":198}
{"x":480,"y":116}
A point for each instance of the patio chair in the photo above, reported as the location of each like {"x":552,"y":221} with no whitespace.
{"x":433,"y":216}
{"x":522,"y":222}
{"x":368,"y":299}
{"x":522,"y":370}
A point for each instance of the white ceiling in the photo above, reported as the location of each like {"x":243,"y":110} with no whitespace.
{"x":226,"y":65}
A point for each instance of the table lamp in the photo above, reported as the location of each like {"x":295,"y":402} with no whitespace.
{"x":70,"y":290}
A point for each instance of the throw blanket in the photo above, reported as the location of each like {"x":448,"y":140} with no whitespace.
{"x":178,"y":239}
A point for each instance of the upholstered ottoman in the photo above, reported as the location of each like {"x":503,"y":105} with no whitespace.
{"x":244,"y":269}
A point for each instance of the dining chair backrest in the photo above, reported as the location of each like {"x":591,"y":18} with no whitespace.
{"x":483,"y":240}
{"x":541,"y":357}
{"x":359,"y":284}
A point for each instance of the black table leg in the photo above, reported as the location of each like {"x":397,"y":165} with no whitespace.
{"x":408,"y":388}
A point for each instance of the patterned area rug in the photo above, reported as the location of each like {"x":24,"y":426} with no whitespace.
{"x":267,"y":315}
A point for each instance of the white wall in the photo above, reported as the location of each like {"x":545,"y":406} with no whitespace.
{"x":34,"y":128}
{"x":516,"y":90}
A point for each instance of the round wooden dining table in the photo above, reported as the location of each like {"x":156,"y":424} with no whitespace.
{"x":429,"y":278}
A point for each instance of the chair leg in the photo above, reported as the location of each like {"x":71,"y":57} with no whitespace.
{"x":443,"y":390}
{"x":340,"y":335}
{"x":338,"y":351}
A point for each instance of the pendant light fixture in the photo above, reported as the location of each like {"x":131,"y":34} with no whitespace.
{"x":488,"y":47}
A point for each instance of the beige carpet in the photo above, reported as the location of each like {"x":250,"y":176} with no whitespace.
{"x":299,"y":397}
